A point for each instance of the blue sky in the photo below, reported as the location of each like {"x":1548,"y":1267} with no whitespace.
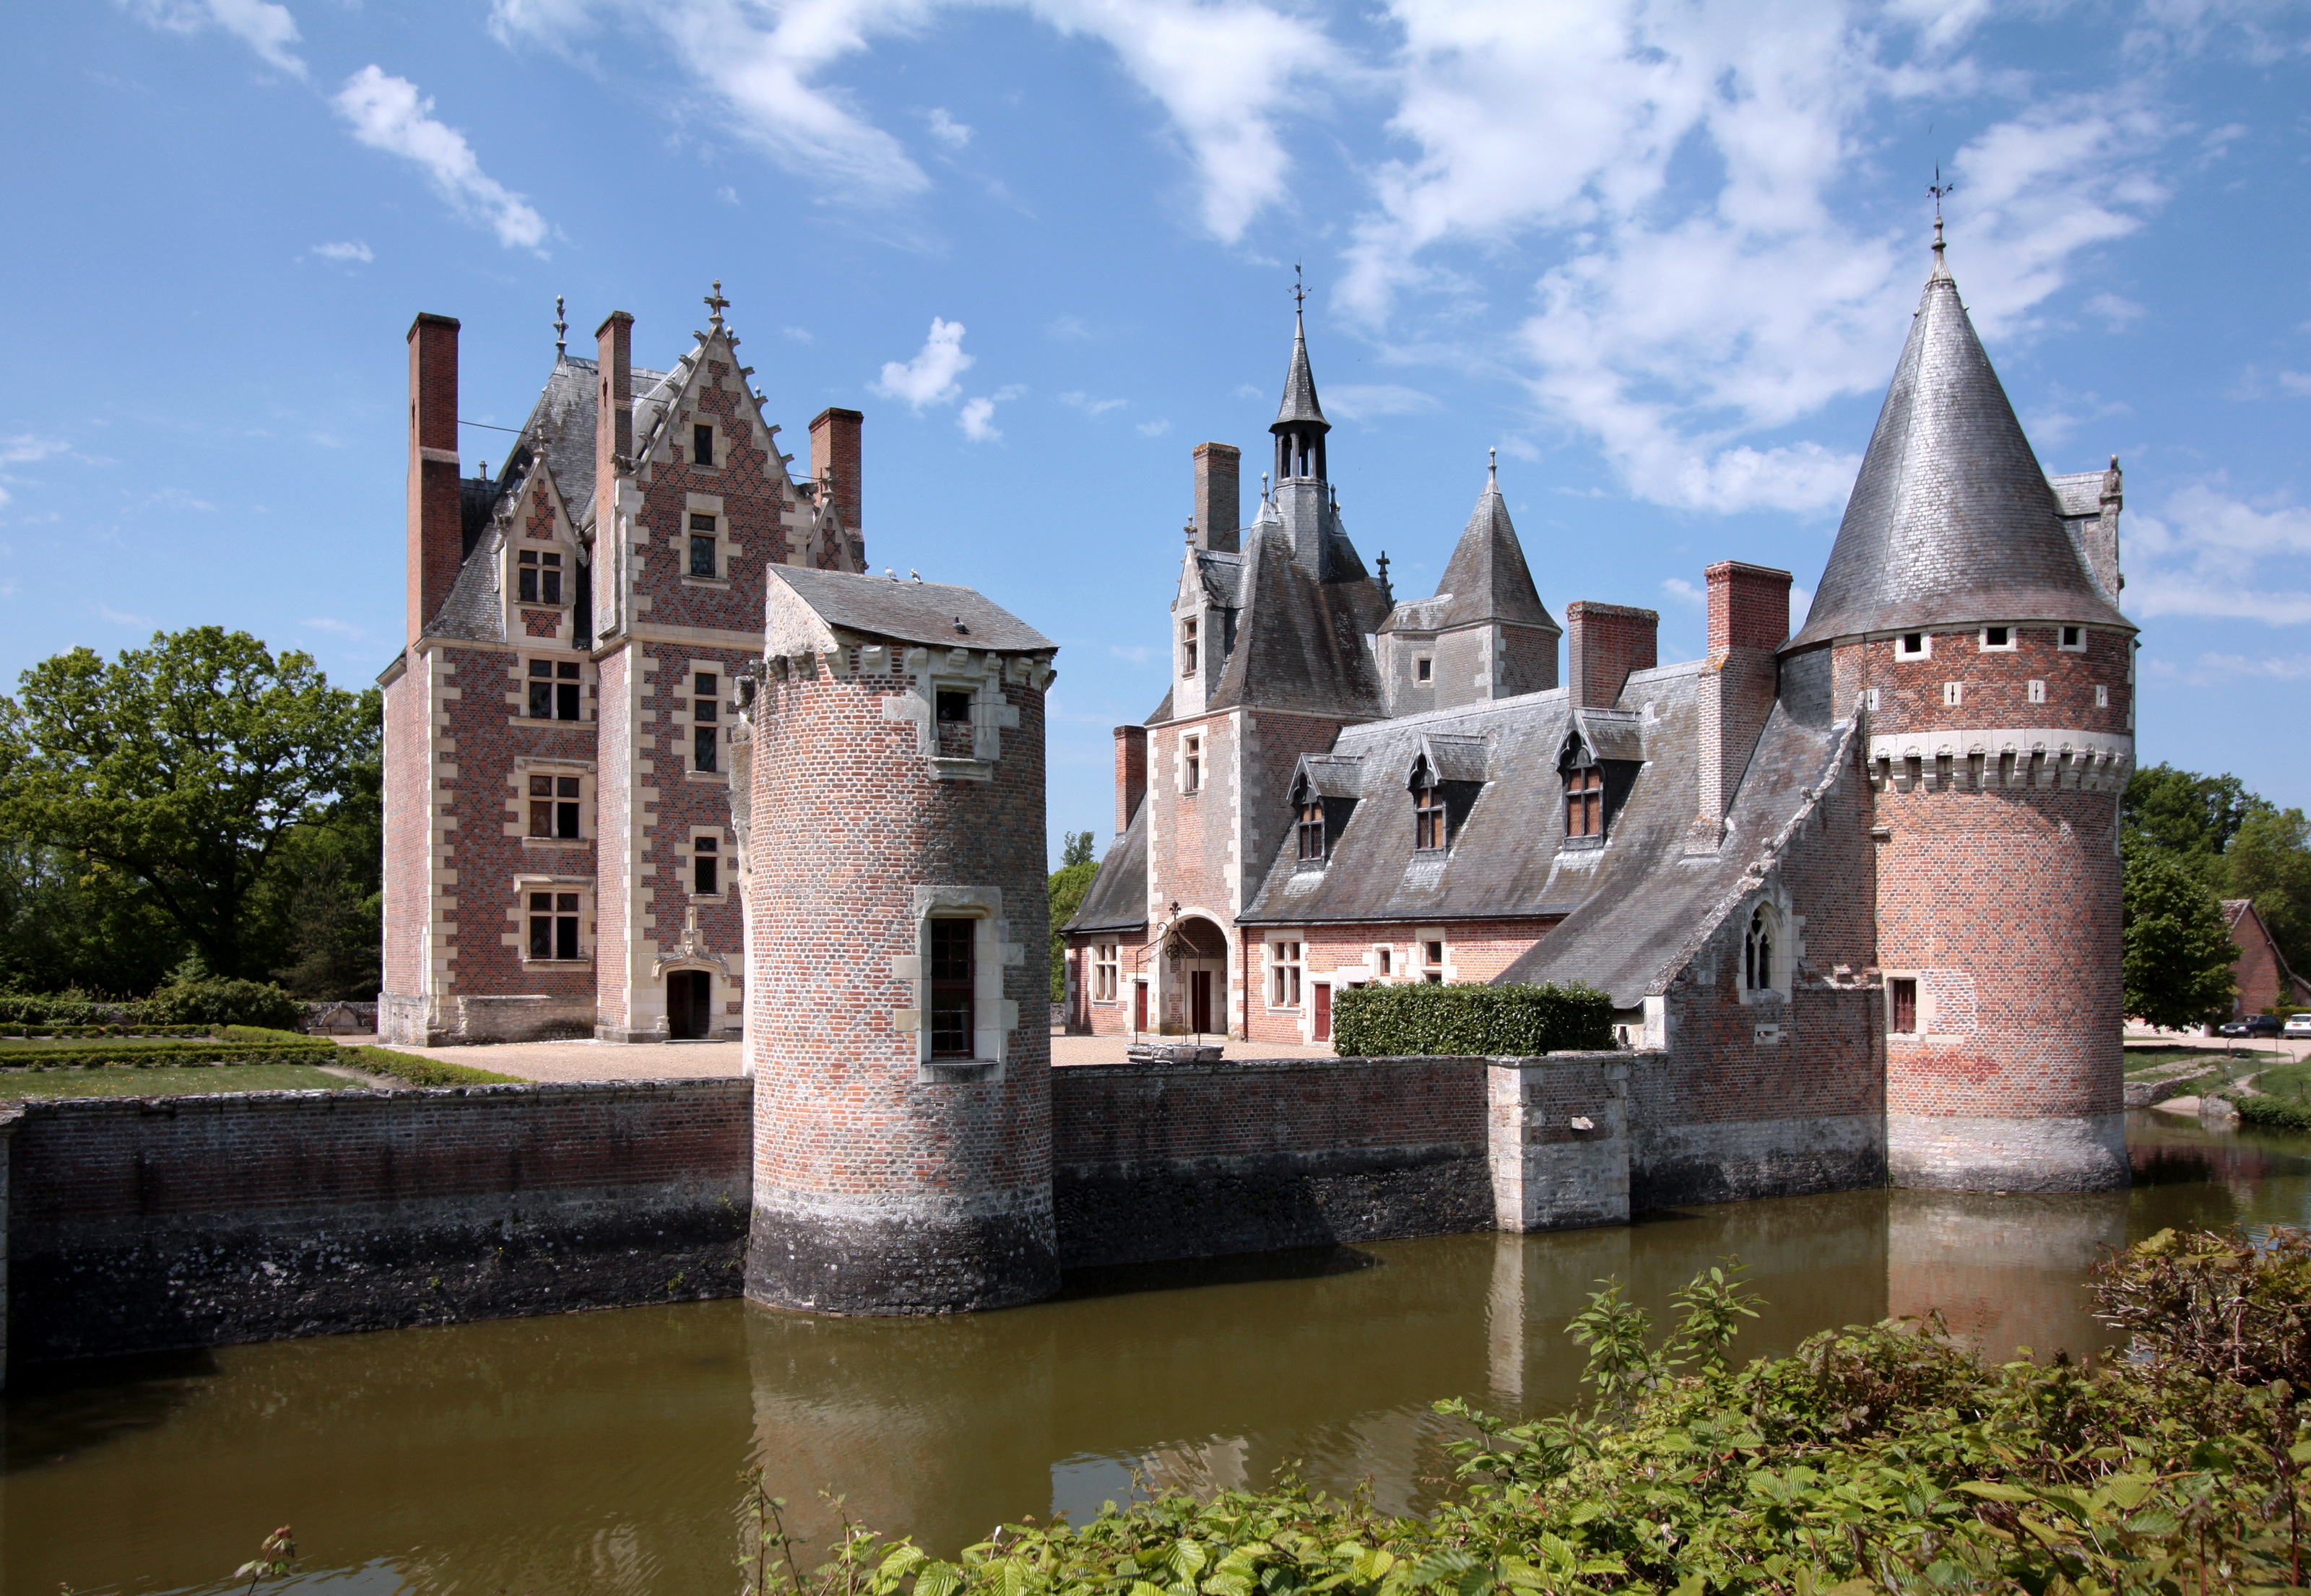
{"x":1661,"y":255}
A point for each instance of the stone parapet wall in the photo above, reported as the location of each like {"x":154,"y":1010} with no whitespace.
{"x":137,"y":1224}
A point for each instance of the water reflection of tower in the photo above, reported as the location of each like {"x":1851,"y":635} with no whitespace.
{"x":891,"y":833}
{"x":2004,"y":1273}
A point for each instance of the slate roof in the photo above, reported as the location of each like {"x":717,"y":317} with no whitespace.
{"x":1486,"y":579}
{"x":912,"y":612}
{"x":1300,"y":640}
{"x":1952,"y":520}
{"x":1118,"y":898}
{"x":563,"y":422}
{"x":1328,"y":775}
{"x":1300,"y":384}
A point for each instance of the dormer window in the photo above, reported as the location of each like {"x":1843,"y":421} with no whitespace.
{"x":1595,"y":789}
{"x":540,"y":577}
{"x":702,"y":444}
{"x":1429,"y":829}
{"x":1188,"y":647}
{"x":1312,"y":829}
{"x":1585,"y":802}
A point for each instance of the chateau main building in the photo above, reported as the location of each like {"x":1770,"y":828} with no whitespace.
{"x":559,"y":851}
{"x":1864,"y":874}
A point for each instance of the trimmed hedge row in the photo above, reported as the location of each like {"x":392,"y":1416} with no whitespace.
{"x":165,"y":1054}
{"x":1471,"y":1020}
{"x":210,"y":1000}
{"x":2280,"y":1112}
{"x":420,"y":1072}
{"x":37,"y":1032}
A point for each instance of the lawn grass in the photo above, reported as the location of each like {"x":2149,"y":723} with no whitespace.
{"x":2141,"y":1061}
{"x":2292,"y":1081}
{"x":170,"y":1081}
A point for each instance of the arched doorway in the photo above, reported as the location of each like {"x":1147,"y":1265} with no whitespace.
{"x":1195,"y":963}
{"x":689,"y":1004}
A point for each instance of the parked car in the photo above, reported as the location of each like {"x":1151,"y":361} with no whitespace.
{"x":2298,"y":1027}
{"x":2254,"y":1025}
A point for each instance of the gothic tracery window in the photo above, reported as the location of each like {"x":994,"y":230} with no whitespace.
{"x":1757,"y":951}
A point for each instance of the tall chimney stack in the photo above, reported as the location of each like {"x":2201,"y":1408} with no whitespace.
{"x":834,"y":452}
{"x":1219,"y":497}
{"x":614,"y":423}
{"x":1603,"y":643}
{"x":1130,"y":774}
{"x":1748,"y":618}
{"x":436,"y":519}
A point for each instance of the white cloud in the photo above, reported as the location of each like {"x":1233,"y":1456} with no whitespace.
{"x":2272,"y":667}
{"x":2118,"y":314}
{"x":2206,"y":553}
{"x":1154,"y":429}
{"x":1091,"y":406}
{"x":1704,"y":174}
{"x":977,"y":420}
{"x":2297,"y":383}
{"x":22,"y":448}
{"x":1681,"y":591}
{"x":346,"y":252}
{"x":1224,"y":70}
{"x":264,"y":26}
{"x":1366,"y":401}
{"x":947,"y":129}
{"x":1137,"y":656}
{"x":329,"y":623}
{"x":929,"y":379}
{"x":387,"y":113}
{"x":120,"y":617}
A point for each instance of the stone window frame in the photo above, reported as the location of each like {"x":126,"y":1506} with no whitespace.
{"x":1924,"y":992}
{"x":557,"y":542}
{"x":995,"y":1018}
{"x":1381,"y":961}
{"x":563,"y":571}
{"x":929,"y":674}
{"x":1424,"y":667}
{"x":681,"y":718}
{"x":587,"y":682}
{"x":1985,"y":645}
{"x":1953,"y":694}
{"x":688,"y":853}
{"x":1924,"y":649}
{"x":1191,"y":645}
{"x":526,"y":882}
{"x":1193,"y":766}
{"x":2062,"y":636}
{"x":1782,"y":929}
{"x":725,"y":547}
{"x":1286,"y":974}
{"x":2035,"y":691}
{"x":718,"y":441}
{"x":2102,"y":696}
{"x":1106,"y":972}
{"x":1432,"y":957}
{"x":525,"y":766}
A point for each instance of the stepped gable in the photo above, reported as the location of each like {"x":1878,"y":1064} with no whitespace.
{"x":1117,"y":900}
{"x":1486,"y":579}
{"x":1952,"y":521}
{"x":1300,"y":640}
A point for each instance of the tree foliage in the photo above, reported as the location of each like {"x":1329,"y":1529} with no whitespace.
{"x":2270,"y":860}
{"x":2234,"y":842}
{"x":179,"y":777}
{"x":2178,"y":948}
{"x":2189,"y":818}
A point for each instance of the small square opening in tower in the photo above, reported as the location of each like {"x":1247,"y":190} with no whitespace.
{"x":953,"y":710}
{"x":2074,"y":639}
{"x":1423,"y":670}
{"x":1913,"y":645}
{"x":1902,"y":999}
{"x":1996,"y":640}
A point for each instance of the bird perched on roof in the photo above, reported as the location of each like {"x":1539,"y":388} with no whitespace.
{"x":913,"y":572}
{"x":890,"y":573}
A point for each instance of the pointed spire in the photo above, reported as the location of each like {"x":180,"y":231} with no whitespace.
{"x":1486,"y":579}
{"x":1938,"y":188}
{"x":1952,"y":521}
{"x":1300,"y":408}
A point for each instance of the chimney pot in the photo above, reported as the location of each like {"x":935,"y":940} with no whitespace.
{"x":1604,"y":642}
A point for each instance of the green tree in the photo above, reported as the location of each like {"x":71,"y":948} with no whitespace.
{"x":2189,"y":818}
{"x":2178,"y":948}
{"x":65,"y":929}
{"x":2270,"y":861}
{"x":179,"y":770}
{"x":321,"y":901}
{"x":1069,"y":884}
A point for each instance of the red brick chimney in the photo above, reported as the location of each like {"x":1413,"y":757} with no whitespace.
{"x":1219,"y":497}
{"x":1130,"y":774}
{"x":614,"y":416}
{"x":1603,"y":643}
{"x":834,"y":452}
{"x":436,"y":520}
{"x":1748,"y":618}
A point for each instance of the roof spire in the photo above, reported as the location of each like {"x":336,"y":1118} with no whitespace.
{"x":1938,"y":188}
{"x":561,"y":329}
{"x":717,"y":304}
{"x":1492,"y":469}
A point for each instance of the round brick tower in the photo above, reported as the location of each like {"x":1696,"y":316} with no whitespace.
{"x":889,"y":800}
{"x":1968,"y":609}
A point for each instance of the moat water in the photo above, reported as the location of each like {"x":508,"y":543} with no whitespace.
{"x":601,"y":1452}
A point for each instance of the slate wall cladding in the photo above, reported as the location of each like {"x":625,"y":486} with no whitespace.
{"x":142,"y":1224}
{"x":880,"y":1186}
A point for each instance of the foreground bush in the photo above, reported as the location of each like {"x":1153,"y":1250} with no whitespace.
{"x":218,"y":1000}
{"x":1470,"y":1021}
{"x":1887,"y":1458}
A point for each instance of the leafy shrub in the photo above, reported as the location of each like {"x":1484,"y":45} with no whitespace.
{"x":420,"y":1071}
{"x":1470,"y":1021}
{"x":156,"y":1054}
{"x":2214,"y":1306}
{"x":67,"y":1008}
{"x":221,"y":1000}
{"x":2279,"y":1112}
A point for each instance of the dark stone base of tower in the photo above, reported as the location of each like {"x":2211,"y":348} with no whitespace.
{"x":874,"y":1260}
{"x":1975,"y":1153}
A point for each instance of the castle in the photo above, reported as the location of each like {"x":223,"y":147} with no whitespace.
{"x":1876,"y":855}
{"x":664,"y":760}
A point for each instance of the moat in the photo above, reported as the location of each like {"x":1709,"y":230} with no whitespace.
{"x":601,"y":1451}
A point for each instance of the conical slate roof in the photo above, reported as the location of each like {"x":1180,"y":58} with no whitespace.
{"x":1300,"y":386}
{"x":1486,"y":579}
{"x":1952,"y":521}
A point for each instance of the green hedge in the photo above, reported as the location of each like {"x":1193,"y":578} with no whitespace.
{"x":11,"y":1031}
{"x":1470,"y":1020}
{"x":420,"y":1072}
{"x":2278,"y":1111}
{"x":155,"y":1055}
{"x":210,"y":1000}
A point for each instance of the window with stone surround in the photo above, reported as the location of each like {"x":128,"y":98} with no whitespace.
{"x":705,"y":722}
{"x":1999,"y":639}
{"x":706,"y":866}
{"x":1284,"y":968}
{"x":556,"y":690}
{"x":951,"y":722}
{"x":702,"y":443}
{"x":538,"y":578}
{"x":1188,"y":647}
{"x":1902,"y":1005}
{"x":2071,"y":640}
{"x":1913,"y":645}
{"x":1191,"y":765}
{"x":1432,"y":962}
{"x":553,"y":920}
{"x":705,"y":555}
{"x":1762,"y":951}
{"x":1105,"y":966}
{"x":556,"y":806}
{"x":1383,"y":960}
{"x":1423,"y":669}
{"x":954,"y":981}
{"x":2037,"y":692}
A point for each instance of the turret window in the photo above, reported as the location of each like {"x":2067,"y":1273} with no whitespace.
{"x":954,"y":736}
{"x":953,"y":988}
{"x":1913,"y":645}
{"x":1188,"y":647}
{"x":2037,"y":692}
{"x":2074,"y":639}
{"x":1998,"y":639}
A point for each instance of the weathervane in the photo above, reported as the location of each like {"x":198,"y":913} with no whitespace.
{"x":561,"y":329}
{"x":717,"y":304}
{"x":1938,"y":188}
{"x":1493,"y":466}
{"x":1299,"y":291}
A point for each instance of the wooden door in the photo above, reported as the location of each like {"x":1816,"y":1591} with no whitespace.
{"x":1199,"y":1000}
{"x":1323,"y":997}
{"x":1139,"y":1005}
{"x":689,"y":1005}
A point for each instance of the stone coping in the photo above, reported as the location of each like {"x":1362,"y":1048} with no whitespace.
{"x":172,"y":1102}
{"x":1331,"y":1062}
